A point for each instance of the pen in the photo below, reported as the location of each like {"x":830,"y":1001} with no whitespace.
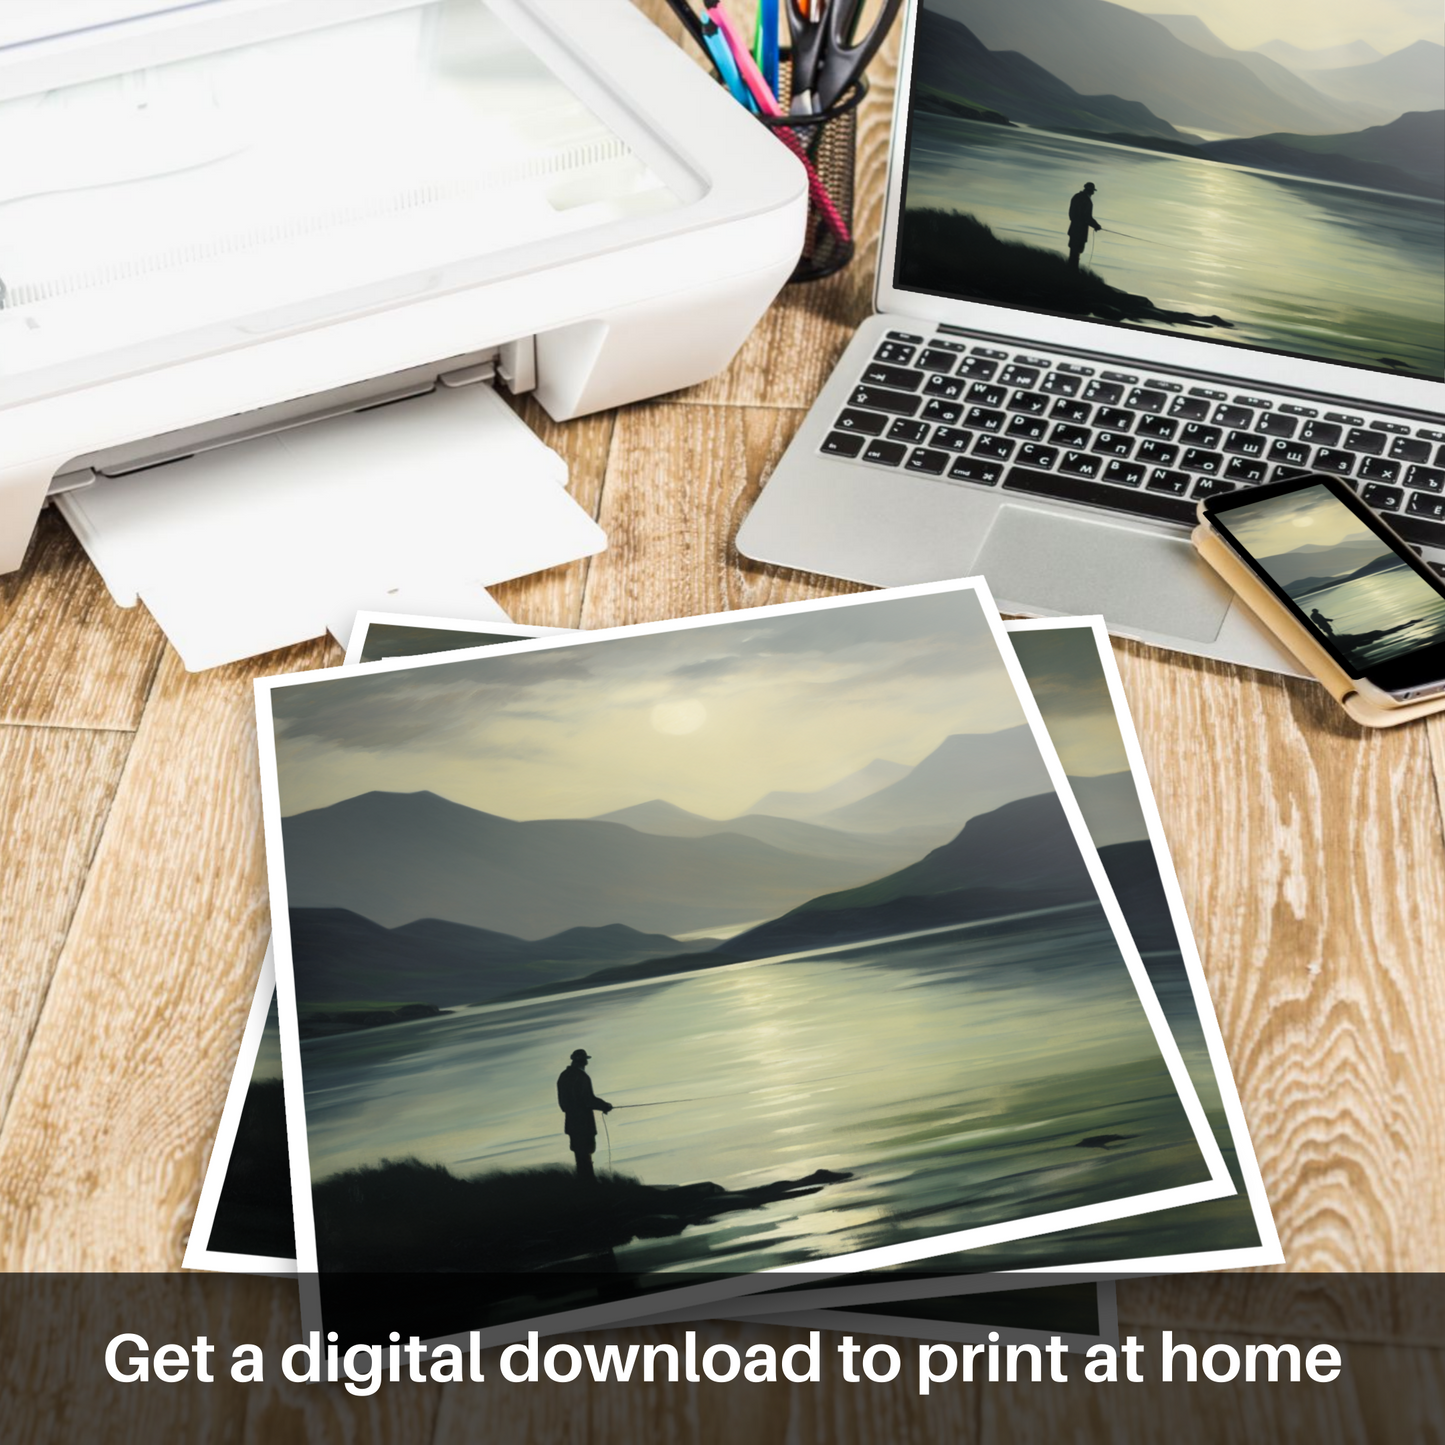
{"x":765,"y":42}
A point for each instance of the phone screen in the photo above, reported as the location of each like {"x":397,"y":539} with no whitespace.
{"x":1366,"y":598}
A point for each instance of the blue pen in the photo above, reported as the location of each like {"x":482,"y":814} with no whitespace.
{"x":768,"y":50}
{"x":727,"y":67}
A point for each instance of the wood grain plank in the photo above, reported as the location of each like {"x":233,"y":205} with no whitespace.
{"x":56,"y":786}
{"x":679,"y":483}
{"x":69,"y":657}
{"x":554,"y":598}
{"x":1311,"y":860}
{"x":102,"y":1149}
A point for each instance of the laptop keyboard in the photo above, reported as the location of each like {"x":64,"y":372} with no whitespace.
{"x":1145,"y":446}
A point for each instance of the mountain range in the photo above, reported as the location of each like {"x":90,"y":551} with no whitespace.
{"x":1357,"y":52}
{"x":1317,"y":559}
{"x":1410,"y":79}
{"x":868,"y":779}
{"x":1388,"y":562}
{"x":1099,"y":48}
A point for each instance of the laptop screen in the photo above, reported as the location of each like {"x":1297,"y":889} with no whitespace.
{"x":1266,"y":173}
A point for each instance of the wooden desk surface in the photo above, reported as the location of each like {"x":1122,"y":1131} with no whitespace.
{"x":134,"y":914}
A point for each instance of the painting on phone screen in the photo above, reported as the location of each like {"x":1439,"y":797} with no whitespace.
{"x":1358,"y":594}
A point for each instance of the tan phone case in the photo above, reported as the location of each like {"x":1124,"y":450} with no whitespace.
{"x":1297,"y":639}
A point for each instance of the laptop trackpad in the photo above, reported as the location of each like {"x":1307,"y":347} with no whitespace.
{"x":1072,"y":565}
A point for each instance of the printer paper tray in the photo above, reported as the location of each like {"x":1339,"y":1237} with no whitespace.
{"x":416,"y":507}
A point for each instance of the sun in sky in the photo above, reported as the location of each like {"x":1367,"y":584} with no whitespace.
{"x":679,"y":716}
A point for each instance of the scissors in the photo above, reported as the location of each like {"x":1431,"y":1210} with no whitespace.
{"x":827,"y":55}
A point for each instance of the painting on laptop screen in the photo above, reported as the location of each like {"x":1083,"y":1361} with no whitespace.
{"x":1259,"y":172}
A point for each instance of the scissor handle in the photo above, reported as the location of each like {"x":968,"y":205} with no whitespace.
{"x":843,"y":60}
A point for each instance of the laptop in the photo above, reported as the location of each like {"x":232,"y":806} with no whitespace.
{"x":1128,"y":260}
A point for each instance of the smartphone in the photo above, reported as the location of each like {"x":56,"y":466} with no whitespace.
{"x":1356,"y":588}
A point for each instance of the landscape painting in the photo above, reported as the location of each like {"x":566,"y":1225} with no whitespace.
{"x":1270,"y":174}
{"x":761,"y":942}
{"x":1361,"y":596}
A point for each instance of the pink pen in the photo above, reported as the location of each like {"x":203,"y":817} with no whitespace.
{"x":768,"y":105}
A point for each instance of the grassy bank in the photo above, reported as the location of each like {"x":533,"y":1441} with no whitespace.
{"x":957,"y":255}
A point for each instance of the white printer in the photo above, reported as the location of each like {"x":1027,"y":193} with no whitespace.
{"x":226,"y":219}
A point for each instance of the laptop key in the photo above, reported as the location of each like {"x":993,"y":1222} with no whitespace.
{"x":1331,"y":459}
{"x":1144,"y":398}
{"x":1106,"y":391}
{"x":1124,"y":474}
{"x":1113,"y":444}
{"x":1210,"y":487}
{"x":982,"y":394}
{"x":1099,"y":494}
{"x":955,"y":439}
{"x":886,"y":454}
{"x":1227,"y":415}
{"x":1032,"y":428}
{"x":923,"y":459}
{"x":1015,"y":375}
{"x":1422,"y":504}
{"x":1081,"y":464}
{"x":936,"y":409}
{"x":1245,"y":443}
{"x":949,"y":387}
{"x":1035,"y":403}
{"x":983,"y":419}
{"x":1199,"y":460}
{"x":1377,"y":469}
{"x":878,"y":398}
{"x":1113,"y":418}
{"x":1071,"y":436}
{"x":1061,"y":383}
{"x":971,"y":469}
{"x":904,"y":378}
{"x":999,"y":448}
{"x":934,"y":360}
{"x":1189,"y":408}
{"x":905,"y":336}
{"x":895,"y":353}
{"x":1381,"y":498}
{"x":1418,"y":530}
{"x":867,"y":422}
{"x":906,"y":429}
{"x":1322,"y":433}
{"x":843,"y":444}
{"x":1161,"y":479}
{"x":1272,"y":424}
{"x":1290,"y":453}
{"x":978,"y":368}
{"x":1372,"y":443}
{"x":1162,"y":427}
{"x":1195,"y":435}
{"x":1034,"y":455}
{"x":1156,"y":454}
{"x":1427,"y":479}
{"x":1407,"y":449}
{"x":1066,"y":410}
{"x":1241,"y":469}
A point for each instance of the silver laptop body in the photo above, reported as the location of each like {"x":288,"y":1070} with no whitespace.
{"x":978,"y":476}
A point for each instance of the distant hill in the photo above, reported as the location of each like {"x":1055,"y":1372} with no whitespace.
{"x":868,"y":779}
{"x":341,"y":957}
{"x":955,"y":74}
{"x":1388,"y":563}
{"x":1110,"y":805}
{"x":966,"y":774}
{"x":1406,"y":155}
{"x":1315,"y":560}
{"x":1328,"y":112}
{"x":1410,"y":79}
{"x":1357,"y":52}
{"x":880,"y":851}
{"x":1099,"y":48}
{"x":395,"y":857}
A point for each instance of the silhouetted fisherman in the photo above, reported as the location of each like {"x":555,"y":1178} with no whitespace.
{"x":1081,"y":217}
{"x":577,"y":1101}
{"x":1322,"y":622}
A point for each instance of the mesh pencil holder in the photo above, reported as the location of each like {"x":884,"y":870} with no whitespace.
{"x":826,"y":143}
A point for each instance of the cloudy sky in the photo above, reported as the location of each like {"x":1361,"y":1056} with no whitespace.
{"x":1388,"y":25}
{"x":1067,"y":680}
{"x":708,"y":718}
{"x":1297,"y":519}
